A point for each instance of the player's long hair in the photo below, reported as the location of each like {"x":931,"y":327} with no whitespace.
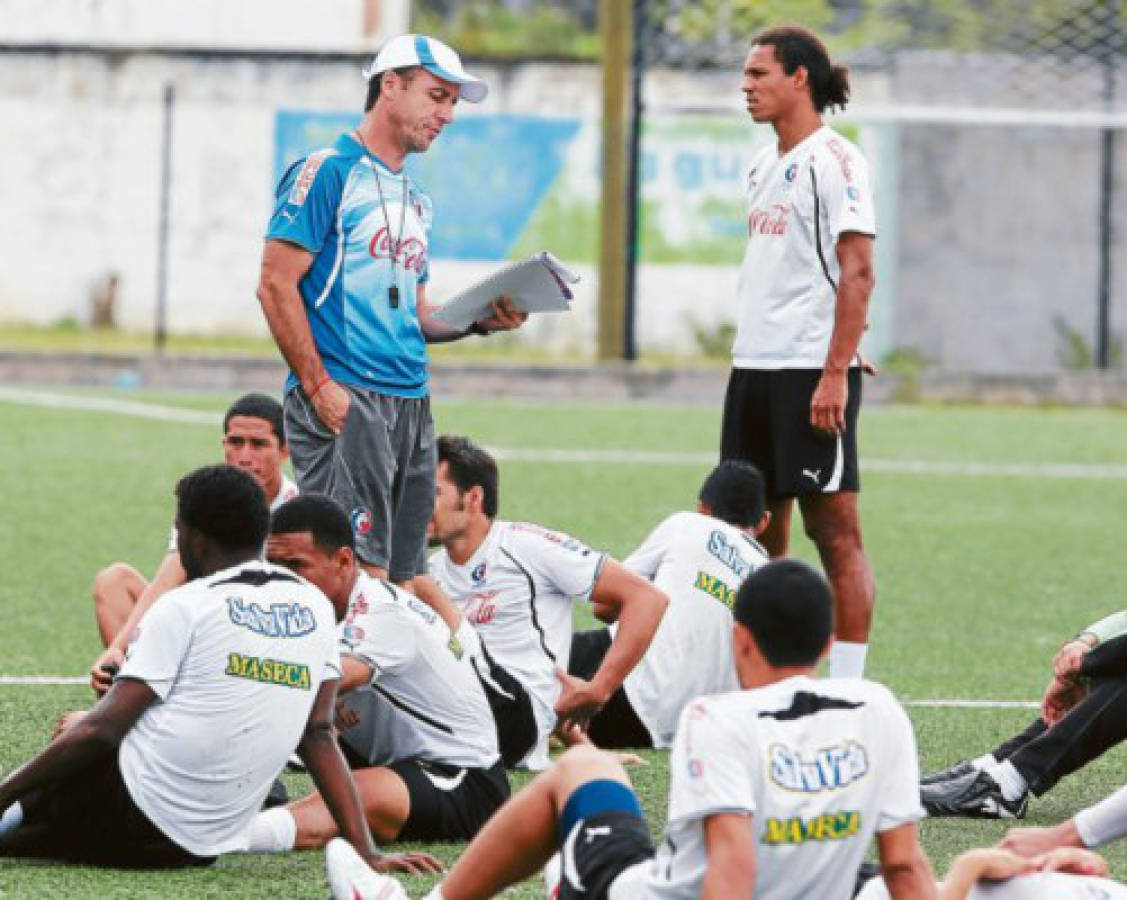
{"x":797,"y":46}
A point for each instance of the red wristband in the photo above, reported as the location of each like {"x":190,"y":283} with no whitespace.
{"x":320,"y":384}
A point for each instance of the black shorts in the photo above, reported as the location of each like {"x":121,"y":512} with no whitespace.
{"x":617,"y":724}
{"x":599,"y":849}
{"x":90,"y":818}
{"x":449,"y":803}
{"x":511,"y":705}
{"x":767,"y":423}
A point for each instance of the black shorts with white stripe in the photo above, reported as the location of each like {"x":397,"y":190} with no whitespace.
{"x":767,"y":423}
{"x":449,"y":803}
{"x":598,"y":850}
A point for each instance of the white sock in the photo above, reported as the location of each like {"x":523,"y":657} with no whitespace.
{"x":1009,"y":780}
{"x":12,"y":819}
{"x":271,"y":831}
{"x":986,"y":761}
{"x":847,"y":659}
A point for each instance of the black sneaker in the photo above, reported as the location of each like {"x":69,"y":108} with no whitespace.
{"x":961,"y":768}
{"x":975,"y":795}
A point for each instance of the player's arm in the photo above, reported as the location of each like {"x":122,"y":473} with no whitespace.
{"x":504,"y":316}
{"x":731,"y":857}
{"x":855,"y":285}
{"x":427,"y":589}
{"x":169,"y":575}
{"x":906,"y":870}
{"x":354,"y":673}
{"x":637,"y":605}
{"x":284,"y":264}
{"x":96,"y":734}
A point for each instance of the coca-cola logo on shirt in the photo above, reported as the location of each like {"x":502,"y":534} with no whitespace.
{"x":410,"y":253}
{"x":769,"y":221}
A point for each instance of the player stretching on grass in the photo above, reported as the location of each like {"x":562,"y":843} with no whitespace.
{"x":774,"y":791}
{"x":253,"y":440}
{"x":228,"y":674}
{"x":795,"y":388}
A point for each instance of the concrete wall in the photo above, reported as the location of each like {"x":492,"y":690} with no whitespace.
{"x":991,"y":231}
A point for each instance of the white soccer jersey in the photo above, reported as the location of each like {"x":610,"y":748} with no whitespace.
{"x":425,"y":700}
{"x":517,"y":590}
{"x":820,"y":765}
{"x":799,"y":204}
{"x":1036,"y":886}
{"x":699,"y":562}
{"x":287,"y":491}
{"x":236,"y":660}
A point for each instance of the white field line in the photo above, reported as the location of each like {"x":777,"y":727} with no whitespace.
{"x":60,"y":680}
{"x":607,"y":457}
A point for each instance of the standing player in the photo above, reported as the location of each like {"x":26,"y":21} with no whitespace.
{"x":254,"y":441}
{"x":795,"y":388}
{"x":343,"y":288}
{"x":228,"y":674}
{"x":699,"y":559}
{"x":413,"y":715}
{"x":516,"y":583}
{"x":774,"y":791}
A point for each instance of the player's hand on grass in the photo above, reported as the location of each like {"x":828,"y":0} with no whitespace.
{"x":578,"y":702}
{"x":827,"y":406}
{"x":410,"y":863}
{"x":1060,"y":697}
{"x":506,"y":315}
{"x":1067,"y":662}
{"x":66,"y":720}
{"x":331,"y":401}
{"x":104,"y":669}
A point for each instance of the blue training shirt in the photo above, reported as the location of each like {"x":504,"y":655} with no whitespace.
{"x":329,"y":204}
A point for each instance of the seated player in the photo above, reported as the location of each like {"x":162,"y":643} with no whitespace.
{"x":516,"y":583}
{"x":996,"y":874}
{"x":699,"y":559}
{"x":253,"y":440}
{"x":1083,"y":714}
{"x":775,"y":790}
{"x":414,"y":714}
{"x":228,"y":674}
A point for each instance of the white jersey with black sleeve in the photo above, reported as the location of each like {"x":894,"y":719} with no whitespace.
{"x":699,"y":562}
{"x":235,"y":660}
{"x":819,"y":765}
{"x":424,"y":700}
{"x":799,"y":205}
{"x":518,"y":590}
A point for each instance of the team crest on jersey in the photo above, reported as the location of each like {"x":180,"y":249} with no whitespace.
{"x":281,"y":620}
{"x":829,"y":769}
{"x":791,"y":172}
{"x":853,"y":194}
{"x":361,"y":520}
{"x":351,"y":635}
{"x":478,"y":574}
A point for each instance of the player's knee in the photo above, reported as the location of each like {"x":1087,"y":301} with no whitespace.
{"x":583,"y":763}
{"x":111,"y":582}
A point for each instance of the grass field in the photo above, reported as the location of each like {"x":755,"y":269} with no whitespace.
{"x":994,"y":533}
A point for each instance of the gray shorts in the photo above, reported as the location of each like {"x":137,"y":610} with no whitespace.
{"x":380,"y":469}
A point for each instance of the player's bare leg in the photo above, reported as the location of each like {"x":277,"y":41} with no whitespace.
{"x":383,"y":795}
{"x":833,"y":523}
{"x":522,"y":835}
{"x":776,"y":537}
{"x":116,"y":591}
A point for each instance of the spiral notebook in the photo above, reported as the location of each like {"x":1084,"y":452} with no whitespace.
{"x":537,"y":284}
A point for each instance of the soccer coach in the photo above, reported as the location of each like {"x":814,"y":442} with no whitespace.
{"x":343,"y":289}
{"x":795,"y":388}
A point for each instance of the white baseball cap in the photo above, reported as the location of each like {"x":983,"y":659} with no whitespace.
{"x":432,"y":55}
